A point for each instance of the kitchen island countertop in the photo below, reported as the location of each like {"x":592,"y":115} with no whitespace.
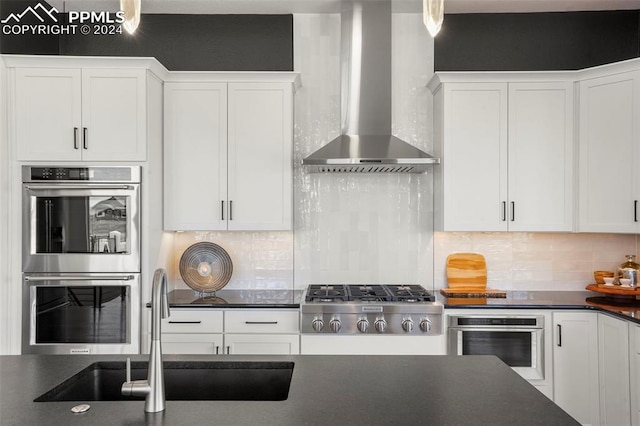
{"x":325,"y":390}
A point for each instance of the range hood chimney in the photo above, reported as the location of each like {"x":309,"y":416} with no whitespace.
{"x":366,"y":143}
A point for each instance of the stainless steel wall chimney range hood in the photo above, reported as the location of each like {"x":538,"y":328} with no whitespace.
{"x":366,"y":143}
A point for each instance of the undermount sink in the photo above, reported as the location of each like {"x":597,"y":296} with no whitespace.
{"x":184,"y":381}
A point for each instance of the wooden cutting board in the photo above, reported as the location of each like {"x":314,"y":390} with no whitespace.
{"x":466,"y":270}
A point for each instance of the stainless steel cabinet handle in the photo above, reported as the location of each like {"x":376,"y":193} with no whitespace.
{"x":261,"y":322}
{"x":222,"y":210}
{"x":75,"y":138}
{"x":230,"y":209}
{"x":228,"y":350}
{"x":85,"y":142}
{"x":635,"y":210}
{"x":217,"y":350}
{"x":513,"y":211}
{"x":504,"y":211}
{"x":185,"y":322}
{"x":559,"y":335}
{"x":80,"y":278}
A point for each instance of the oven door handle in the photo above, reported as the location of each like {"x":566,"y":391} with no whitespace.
{"x":81,"y":278}
{"x":79,"y":187}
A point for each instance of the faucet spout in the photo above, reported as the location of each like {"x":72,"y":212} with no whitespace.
{"x":153,"y":387}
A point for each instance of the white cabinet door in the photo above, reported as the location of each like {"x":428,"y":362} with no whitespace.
{"x":260,"y":156}
{"x":114,"y":115}
{"x":507,"y":156}
{"x":540,"y":156}
{"x":634,"y":361}
{"x":613,"y":343}
{"x":195,"y":156}
{"x":609,"y":154}
{"x":80,"y":114}
{"x":262,"y":344}
{"x":228,"y":156}
{"x":473,"y":191}
{"x":47,"y":114}
{"x":575,"y":365}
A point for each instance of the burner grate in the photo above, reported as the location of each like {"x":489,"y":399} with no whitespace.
{"x":368,"y":293}
{"x":326,"y":293}
{"x":410,"y":293}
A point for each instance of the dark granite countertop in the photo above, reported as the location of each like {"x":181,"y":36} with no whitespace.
{"x":325,"y":390}
{"x":622,"y":308}
{"x":236,"y":299}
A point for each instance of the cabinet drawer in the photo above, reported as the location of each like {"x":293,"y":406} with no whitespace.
{"x":262,"y":321}
{"x":193,"y":321}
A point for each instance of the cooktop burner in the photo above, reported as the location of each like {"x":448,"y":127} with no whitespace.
{"x":404,"y":293}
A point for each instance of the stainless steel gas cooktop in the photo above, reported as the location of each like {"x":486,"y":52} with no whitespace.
{"x":371,"y":309}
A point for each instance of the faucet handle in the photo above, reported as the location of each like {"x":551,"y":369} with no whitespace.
{"x":128,"y":369}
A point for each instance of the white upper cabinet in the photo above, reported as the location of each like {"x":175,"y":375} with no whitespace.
{"x":507,"y":154}
{"x":609,"y":153}
{"x":79,"y":114}
{"x":195,"y":156}
{"x":541,"y":156}
{"x":260,"y":156}
{"x":472,"y":194}
{"x":228,"y":155}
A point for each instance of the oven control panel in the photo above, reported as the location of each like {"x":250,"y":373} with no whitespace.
{"x":80,"y":174}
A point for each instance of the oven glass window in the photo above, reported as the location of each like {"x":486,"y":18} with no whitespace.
{"x":92,"y":314}
{"x":82,"y":224}
{"x":512,"y":347}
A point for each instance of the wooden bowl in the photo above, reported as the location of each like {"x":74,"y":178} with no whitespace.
{"x":599,"y":275}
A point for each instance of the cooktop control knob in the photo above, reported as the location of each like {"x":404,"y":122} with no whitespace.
{"x":380,"y":325}
{"x":335,"y":325}
{"x":407,"y":325}
{"x":363,"y":325}
{"x":317,"y":324}
{"x":425,"y":325}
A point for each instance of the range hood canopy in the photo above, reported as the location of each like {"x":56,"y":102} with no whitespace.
{"x":366,"y":143}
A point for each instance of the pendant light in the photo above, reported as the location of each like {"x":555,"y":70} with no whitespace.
{"x":131,"y":9}
{"x":433,"y":15}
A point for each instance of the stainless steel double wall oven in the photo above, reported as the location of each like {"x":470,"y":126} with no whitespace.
{"x":81,"y":259}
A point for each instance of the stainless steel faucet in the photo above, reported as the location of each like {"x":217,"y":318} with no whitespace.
{"x":153,"y":387}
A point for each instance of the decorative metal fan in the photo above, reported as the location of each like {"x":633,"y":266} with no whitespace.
{"x":206,"y":267}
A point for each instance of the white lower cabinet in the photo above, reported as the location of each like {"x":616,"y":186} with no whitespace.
{"x":193,"y":343}
{"x":236,"y":331}
{"x":575,"y":365}
{"x":613,"y":360}
{"x":193,"y":331}
{"x":634,"y":366}
{"x":262,"y":331}
{"x":262,"y":344}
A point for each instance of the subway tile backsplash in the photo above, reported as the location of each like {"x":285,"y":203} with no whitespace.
{"x":261,"y":260}
{"x":535,"y":261}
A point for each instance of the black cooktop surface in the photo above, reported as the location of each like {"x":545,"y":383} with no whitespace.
{"x":405,"y":293}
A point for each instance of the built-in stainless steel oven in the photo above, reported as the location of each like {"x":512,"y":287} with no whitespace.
{"x":81,"y":219}
{"x":81,"y":313}
{"x":516,"y":340}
